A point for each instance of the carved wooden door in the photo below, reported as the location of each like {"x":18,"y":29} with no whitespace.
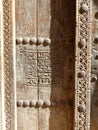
{"x":44,"y":72}
{"x":44,"y":64}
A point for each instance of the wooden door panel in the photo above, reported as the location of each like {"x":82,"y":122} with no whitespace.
{"x":45,"y":61}
{"x":26,"y":64}
{"x":44,"y":41}
{"x":37,"y":72}
{"x":25,"y":18}
{"x":51,"y":17}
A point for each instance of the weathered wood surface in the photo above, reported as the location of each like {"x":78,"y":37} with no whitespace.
{"x":26,"y":55}
{"x":45,"y":64}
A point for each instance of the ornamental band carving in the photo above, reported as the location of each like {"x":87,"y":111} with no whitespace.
{"x":7,"y":57}
{"x":83,"y":65}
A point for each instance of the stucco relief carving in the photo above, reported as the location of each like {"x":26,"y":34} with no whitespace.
{"x":7,"y":69}
{"x":83,"y":59}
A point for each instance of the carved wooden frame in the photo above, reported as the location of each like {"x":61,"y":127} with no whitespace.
{"x":8,"y":96}
{"x":83,"y":64}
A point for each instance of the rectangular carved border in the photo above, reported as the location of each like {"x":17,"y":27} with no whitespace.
{"x":8,"y":65}
{"x":83,"y":65}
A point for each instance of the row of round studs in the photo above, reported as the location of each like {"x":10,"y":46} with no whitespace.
{"x":40,"y":103}
{"x":31,"y":41}
{"x":82,"y":44}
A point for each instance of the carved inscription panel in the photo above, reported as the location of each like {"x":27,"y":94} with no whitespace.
{"x":28,"y":65}
{"x":45,"y":64}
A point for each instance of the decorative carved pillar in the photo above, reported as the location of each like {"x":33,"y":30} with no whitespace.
{"x":8,"y":65}
{"x":83,"y":65}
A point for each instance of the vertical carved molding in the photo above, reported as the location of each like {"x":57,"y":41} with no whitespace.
{"x":83,"y":65}
{"x":8,"y":64}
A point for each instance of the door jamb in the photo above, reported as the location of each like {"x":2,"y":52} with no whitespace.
{"x":83,"y":64}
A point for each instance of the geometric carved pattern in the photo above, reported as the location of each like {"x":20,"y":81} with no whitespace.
{"x":82,"y":84}
{"x":8,"y":66}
